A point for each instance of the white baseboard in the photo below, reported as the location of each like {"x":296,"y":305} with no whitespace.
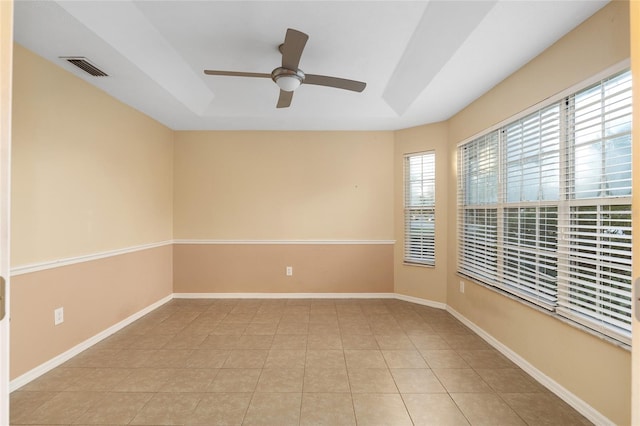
{"x":284,"y":295}
{"x":38,"y":371}
{"x":419,"y":301}
{"x":578,"y":404}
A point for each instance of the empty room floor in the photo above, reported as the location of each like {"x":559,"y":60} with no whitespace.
{"x":290,"y":362}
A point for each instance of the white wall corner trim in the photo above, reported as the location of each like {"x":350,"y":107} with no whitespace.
{"x":286,"y":242}
{"x":43,"y":368}
{"x":581,"y":406}
{"x":41,"y":266}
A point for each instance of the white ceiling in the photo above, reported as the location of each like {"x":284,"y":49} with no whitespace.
{"x":423,"y":61}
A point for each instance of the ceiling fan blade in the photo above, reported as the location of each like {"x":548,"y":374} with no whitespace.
{"x":292,"y":48}
{"x":238,"y":74}
{"x":338,"y":83}
{"x":285,"y":99}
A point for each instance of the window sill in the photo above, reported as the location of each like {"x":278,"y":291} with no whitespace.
{"x":420,"y":265}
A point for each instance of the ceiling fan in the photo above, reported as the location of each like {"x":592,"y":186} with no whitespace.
{"x":289,"y":77}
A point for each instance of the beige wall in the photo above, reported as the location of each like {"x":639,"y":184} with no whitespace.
{"x":284,"y":185}
{"x":260,"y":268}
{"x":89,"y":175}
{"x":428,"y":283}
{"x":594,"y":370}
{"x":95,"y":295}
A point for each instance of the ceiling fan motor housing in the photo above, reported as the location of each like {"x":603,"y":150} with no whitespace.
{"x":288,"y":80}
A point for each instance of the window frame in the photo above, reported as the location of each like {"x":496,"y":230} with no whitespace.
{"x":563,"y":205}
{"x":419,"y":247}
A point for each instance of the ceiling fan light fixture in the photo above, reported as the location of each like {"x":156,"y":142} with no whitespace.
{"x":287,"y":80}
{"x":288,"y":83}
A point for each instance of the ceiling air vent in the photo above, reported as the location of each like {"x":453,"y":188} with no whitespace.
{"x":85,"y":65}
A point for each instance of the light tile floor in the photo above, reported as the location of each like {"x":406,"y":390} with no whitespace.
{"x":290,"y":362}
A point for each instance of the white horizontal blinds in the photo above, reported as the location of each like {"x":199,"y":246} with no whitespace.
{"x":528,"y":253}
{"x":544,"y":207}
{"x":478,"y":209}
{"x":531,"y":164}
{"x":595,"y":248}
{"x":480,"y":167}
{"x":599,"y":140}
{"x":478,"y":257}
{"x":419,"y":210}
{"x":532,"y":157}
{"x":595,"y":285}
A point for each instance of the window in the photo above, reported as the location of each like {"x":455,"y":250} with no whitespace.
{"x":419,"y":208}
{"x":544,"y":206}
{"x":479,"y":225}
{"x":594,"y":286}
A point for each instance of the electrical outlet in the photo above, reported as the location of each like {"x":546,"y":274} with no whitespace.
{"x":58,"y":316}
{"x":461,"y":286}
{"x":289,"y":271}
